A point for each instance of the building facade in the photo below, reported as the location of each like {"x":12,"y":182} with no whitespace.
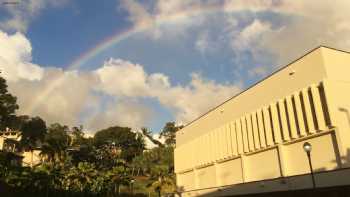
{"x":253,"y":143}
{"x":9,"y":142}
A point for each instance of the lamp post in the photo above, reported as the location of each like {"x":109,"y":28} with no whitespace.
{"x":307,"y":148}
{"x":132,"y":185}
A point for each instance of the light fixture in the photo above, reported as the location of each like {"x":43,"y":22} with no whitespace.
{"x":307,"y":147}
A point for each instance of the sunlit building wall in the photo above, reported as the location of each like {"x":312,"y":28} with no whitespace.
{"x":253,"y":142}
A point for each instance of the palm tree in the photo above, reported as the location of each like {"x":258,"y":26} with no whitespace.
{"x":118,"y":176}
{"x":80,"y":178}
{"x":162,"y":180}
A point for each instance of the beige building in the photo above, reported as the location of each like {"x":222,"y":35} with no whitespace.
{"x":253,"y":143}
{"x":9,"y":140}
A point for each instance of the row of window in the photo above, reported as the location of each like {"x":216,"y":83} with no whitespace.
{"x":297,"y":115}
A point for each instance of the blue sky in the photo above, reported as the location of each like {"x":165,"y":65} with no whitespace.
{"x":186,"y":57}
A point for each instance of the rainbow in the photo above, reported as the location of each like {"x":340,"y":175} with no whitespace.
{"x":107,"y":43}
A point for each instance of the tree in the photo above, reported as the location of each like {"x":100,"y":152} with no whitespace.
{"x":148,"y":134}
{"x":56,"y":142}
{"x":8,"y":105}
{"x":80,"y":178}
{"x":169,"y":133}
{"x":162,"y":180}
{"x":33,"y":132}
{"x":129,"y":143}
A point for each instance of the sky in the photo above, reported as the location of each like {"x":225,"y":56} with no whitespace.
{"x":142,"y":63}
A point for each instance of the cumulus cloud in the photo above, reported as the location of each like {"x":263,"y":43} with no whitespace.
{"x":179,"y":99}
{"x":16,"y":50}
{"x":123,"y":112}
{"x":109,"y":95}
{"x":272,"y":32}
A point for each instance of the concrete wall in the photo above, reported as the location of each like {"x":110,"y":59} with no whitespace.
{"x":259,"y":134}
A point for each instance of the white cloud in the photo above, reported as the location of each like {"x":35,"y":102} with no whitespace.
{"x":73,"y":97}
{"x":123,"y":112}
{"x":179,"y":99}
{"x":119,"y":77}
{"x":250,"y":35}
{"x":15,"y":57}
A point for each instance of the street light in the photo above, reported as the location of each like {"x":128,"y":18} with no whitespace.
{"x":308,"y":148}
{"x":132,"y":185}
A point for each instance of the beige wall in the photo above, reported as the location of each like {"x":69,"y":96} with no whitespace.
{"x":258,"y":135}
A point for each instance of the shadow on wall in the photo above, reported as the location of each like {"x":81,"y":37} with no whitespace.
{"x":343,"y":191}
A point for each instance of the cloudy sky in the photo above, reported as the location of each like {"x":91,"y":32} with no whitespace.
{"x":143,"y":63}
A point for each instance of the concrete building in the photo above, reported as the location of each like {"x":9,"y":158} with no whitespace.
{"x":253,"y":143}
{"x":9,"y":141}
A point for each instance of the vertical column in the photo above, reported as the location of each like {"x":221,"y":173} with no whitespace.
{"x":207,"y":145}
{"x":198,"y":152}
{"x":261,"y":128}
{"x":215,"y":145}
{"x":250,"y":132}
{"x":229,"y":139}
{"x":222,"y":142}
{"x":245,"y":135}
{"x":217,"y":142}
{"x":299,"y":113}
{"x":255,"y":131}
{"x":234,"y":145}
{"x":204,"y":150}
{"x":284,"y":120}
{"x":308,"y":111}
{"x":321,"y":123}
{"x":268,"y":130}
{"x":212,"y":146}
{"x":291,"y":116}
{"x":275,"y":123}
{"x":240,"y":146}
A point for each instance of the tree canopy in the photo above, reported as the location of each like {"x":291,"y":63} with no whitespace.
{"x":8,"y":105}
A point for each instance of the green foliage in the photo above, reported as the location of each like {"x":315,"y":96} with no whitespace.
{"x":123,"y":139}
{"x":56,"y":143}
{"x":8,"y":105}
{"x":169,"y":133}
{"x":113,"y":163}
{"x":33,"y":133}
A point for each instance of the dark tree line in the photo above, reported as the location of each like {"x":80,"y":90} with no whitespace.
{"x":114,"y":162}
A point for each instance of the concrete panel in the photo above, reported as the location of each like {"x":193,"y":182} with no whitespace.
{"x":299,"y":113}
{"x":186,"y":181}
{"x":308,"y":111}
{"x":255,"y":131}
{"x":233,"y":139}
{"x":321,"y":123}
{"x":206,"y":177}
{"x":284,"y":121}
{"x":268,"y":127}
{"x":230,"y":172}
{"x":238,"y":128}
{"x":323,"y":156}
{"x":291,"y":116}
{"x":275,"y":123}
{"x":245,"y":135}
{"x":261,"y":129}
{"x":248,"y":120}
{"x":262,"y":165}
